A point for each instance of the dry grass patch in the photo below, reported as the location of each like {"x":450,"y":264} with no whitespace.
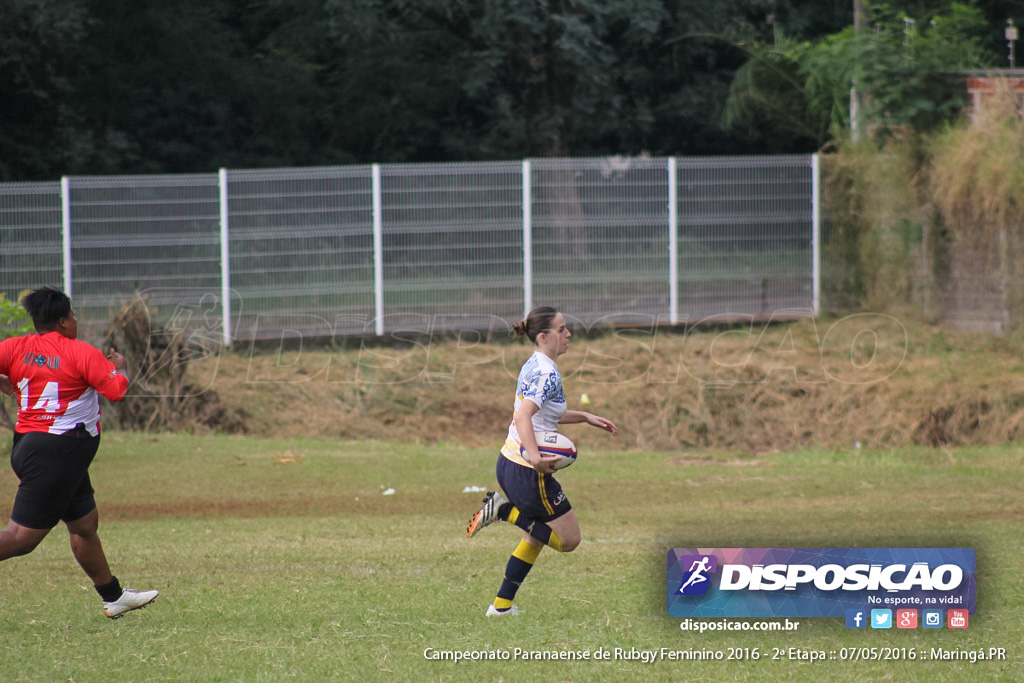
{"x":873,"y":380}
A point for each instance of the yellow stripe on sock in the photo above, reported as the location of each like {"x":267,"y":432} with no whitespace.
{"x":555,"y":542}
{"x":502,"y":603}
{"x":513,"y":516}
{"x":527,"y":552}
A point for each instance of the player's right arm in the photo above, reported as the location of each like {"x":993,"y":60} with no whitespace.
{"x":106,"y":375}
{"x":528,"y":438}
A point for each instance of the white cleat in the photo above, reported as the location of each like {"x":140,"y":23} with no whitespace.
{"x":128,"y":601}
{"x":493,"y":611}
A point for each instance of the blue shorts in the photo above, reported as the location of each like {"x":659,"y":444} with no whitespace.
{"x":537,"y":496}
{"x":53,"y":470}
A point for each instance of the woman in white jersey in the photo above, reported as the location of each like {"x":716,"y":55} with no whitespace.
{"x":533,"y":500}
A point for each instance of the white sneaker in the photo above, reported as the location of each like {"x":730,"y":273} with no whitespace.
{"x":487,"y":514}
{"x":493,"y":611}
{"x":128,"y":601}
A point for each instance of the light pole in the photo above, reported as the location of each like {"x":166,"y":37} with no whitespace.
{"x":1011,"y":38}
{"x":908,"y":26}
{"x":860,"y":22}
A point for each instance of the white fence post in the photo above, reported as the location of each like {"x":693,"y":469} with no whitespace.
{"x":225,"y":256}
{"x":378,"y":253}
{"x":65,"y":222}
{"x":673,"y":244}
{"x":815,"y":233}
{"x":527,"y":241}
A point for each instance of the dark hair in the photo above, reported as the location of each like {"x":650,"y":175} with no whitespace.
{"x":46,"y":306}
{"x":539,"y":320}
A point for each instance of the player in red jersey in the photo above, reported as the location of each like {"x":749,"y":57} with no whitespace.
{"x":57,"y":381}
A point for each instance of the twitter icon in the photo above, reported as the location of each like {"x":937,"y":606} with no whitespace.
{"x":881,"y":618}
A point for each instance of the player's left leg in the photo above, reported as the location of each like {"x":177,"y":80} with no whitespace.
{"x":88,"y":550}
{"x":565,"y":528}
{"x":519,"y":565}
{"x":538,"y":506}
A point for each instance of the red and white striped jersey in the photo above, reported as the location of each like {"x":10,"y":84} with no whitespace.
{"x":57,"y":380}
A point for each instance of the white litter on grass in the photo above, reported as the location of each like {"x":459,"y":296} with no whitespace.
{"x":387,"y":492}
{"x":474,"y":489}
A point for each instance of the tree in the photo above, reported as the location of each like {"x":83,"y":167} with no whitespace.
{"x":38,"y":121}
{"x":507,"y":79}
{"x":909,"y":72}
{"x":179,"y":86}
{"x":394,"y":86}
{"x":769,"y":98}
{"x":549,"y":56}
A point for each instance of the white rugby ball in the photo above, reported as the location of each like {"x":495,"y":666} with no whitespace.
{"x":554,"y":443}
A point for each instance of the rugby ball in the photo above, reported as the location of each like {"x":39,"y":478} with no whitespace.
{"x":554,"y":443}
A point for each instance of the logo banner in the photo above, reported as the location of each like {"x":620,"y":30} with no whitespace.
{"x":817,"y":582}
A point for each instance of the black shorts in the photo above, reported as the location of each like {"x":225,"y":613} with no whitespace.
{"x":54,"y":474}
{"x":537,"y":496}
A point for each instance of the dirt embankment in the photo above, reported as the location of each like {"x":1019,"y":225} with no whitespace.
{"x":873,"y":380}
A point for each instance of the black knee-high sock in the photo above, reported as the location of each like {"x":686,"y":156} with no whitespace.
{"x":539,"y":530}
{"x":519,"y":565}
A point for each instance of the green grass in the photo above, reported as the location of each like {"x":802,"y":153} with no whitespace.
{"x":283,"y":560}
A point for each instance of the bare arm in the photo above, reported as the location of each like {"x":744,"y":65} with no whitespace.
{"x":578,"y":416}
{"x":112,"y":385}
{"x":524,"y":425}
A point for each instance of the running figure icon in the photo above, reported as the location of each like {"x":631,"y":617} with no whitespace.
{"x":697,"y":573}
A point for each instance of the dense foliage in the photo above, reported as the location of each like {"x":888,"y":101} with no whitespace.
{"x":101,"y":87}
{"x":910,"y":74}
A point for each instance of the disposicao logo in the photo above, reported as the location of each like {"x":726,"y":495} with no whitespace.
{"x":696,"y":579}
{"x":819,"y":582}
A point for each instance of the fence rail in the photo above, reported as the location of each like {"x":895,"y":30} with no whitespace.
{"x":375,"y":249}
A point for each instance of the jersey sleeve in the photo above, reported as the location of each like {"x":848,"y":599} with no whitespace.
{"x":101,"y":374}
{"x":536,"y":389}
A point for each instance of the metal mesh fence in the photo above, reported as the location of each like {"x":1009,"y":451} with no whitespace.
{"x":155,"y":236}
{"x":329,"y":252}
{"x":301,"y":251}
{"x":30,"y":236}
{"x":600,"y":238}
{"x":745,"y":229}
{"x":452,"y":245}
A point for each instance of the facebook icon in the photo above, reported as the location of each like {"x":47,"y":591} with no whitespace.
{"x":855,"y":618}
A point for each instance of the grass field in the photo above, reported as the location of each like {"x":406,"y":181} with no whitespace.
{"x":282,"y":559}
